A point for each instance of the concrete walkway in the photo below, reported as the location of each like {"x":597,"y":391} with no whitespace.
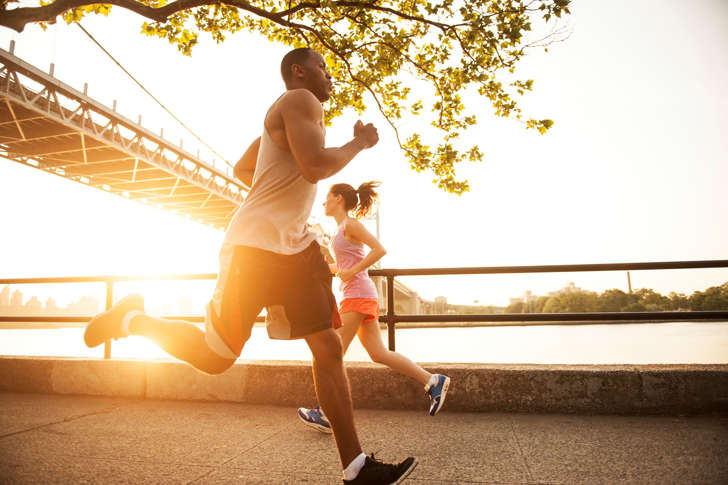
{"x":63,"y":439}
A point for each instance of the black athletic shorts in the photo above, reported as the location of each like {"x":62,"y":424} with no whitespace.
{"x":295,"y":290}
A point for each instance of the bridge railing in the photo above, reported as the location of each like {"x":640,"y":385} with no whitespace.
{"x":391,"y":318}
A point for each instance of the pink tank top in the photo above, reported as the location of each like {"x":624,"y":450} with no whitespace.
{"x":347,"y":254}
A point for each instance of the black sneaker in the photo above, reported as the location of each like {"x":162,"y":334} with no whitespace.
{"x":107,"y":325}
{"x":374,"y":472}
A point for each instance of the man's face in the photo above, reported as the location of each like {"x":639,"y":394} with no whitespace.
{"x":317,"y":77}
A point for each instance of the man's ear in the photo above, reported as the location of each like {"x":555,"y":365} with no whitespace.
{"x":297,"y":70}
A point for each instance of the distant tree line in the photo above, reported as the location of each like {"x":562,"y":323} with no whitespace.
{"x":642,"y":300}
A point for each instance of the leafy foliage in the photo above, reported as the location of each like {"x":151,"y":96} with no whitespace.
{"x":374,"y":48}
{"x":641,"y":300}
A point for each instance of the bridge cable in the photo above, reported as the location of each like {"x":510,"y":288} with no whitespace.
{"x":152,"y":96}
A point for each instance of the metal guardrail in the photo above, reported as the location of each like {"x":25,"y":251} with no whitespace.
{"x":391,"y":318}
{"x":109,"y":281}
{"x":593,"y":317}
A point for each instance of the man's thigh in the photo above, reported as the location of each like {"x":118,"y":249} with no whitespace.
{"x":241,"y":293}
{"x":325,"y":344}
{"x":301,"y":302}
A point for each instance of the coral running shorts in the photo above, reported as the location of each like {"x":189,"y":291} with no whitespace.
{"x":369,"y":307}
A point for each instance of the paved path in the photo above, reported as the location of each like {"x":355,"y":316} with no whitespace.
{"x":61,"y":439}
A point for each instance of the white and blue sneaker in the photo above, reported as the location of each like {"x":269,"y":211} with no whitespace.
{"x":437,"y":392}
{"x":315,"y":418}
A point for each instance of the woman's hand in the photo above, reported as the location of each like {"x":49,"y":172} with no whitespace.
{"x":346,"y":274}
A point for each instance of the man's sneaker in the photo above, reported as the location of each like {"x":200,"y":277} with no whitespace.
{"x":375,"y":472}
{"x":107,"y":325}
{"x":437,"y":393}
{"x":315,"y":418}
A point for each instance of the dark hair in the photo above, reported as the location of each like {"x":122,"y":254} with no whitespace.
{"x":296,"y":56}
{"x":360,"y":200}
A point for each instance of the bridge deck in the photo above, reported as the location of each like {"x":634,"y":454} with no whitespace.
{"x":48,"y":125}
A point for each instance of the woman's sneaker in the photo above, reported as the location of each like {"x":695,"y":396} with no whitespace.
{"x":315,"y":418}
{"x":107,"y":325}
{"x":437,"y":393}
{"x":375,"y":472}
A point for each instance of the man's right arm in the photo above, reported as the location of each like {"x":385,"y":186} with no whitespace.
{"x":303,"y":118}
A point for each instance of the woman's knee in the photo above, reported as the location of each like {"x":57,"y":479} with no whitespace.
{"x":379,"y":356}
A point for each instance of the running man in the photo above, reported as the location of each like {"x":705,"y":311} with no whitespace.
{"x":359,"y":308}
{"x":269,"y":259}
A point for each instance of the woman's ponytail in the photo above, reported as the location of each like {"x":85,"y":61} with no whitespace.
{"x":367,"y":195}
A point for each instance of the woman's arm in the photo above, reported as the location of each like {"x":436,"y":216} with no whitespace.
{"x":329,"y":260}
{"x":356,"y":232}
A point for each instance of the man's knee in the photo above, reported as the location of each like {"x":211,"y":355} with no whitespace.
{"x":327,"y":348}
{"x":331,"y":354}
{"x":217,"y":365}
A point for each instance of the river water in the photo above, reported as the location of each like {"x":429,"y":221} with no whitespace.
{"x":647,"y":343}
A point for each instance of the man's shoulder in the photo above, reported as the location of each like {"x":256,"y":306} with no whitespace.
{"x":298,"y":98}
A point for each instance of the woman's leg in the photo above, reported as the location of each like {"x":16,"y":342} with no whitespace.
{"x":371,"y":339}
{"x":350,"y":322}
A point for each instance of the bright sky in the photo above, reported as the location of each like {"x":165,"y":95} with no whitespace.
{"x":633,"y":170}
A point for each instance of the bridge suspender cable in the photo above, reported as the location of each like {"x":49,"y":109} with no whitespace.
{"x":151,"y":95}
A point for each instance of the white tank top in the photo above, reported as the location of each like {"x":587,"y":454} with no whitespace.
{"x":273,"y":216}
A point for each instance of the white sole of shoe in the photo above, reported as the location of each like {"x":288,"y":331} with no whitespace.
{"x":406,"y":473}
{"x":316,"y":426}
{"x":445,"y":387}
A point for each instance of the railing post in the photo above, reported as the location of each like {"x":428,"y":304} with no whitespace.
{"x":109,"y":302}
{"x":390,"y":311}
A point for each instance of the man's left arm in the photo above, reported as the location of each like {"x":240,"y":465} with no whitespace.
{"x":245,"y":168}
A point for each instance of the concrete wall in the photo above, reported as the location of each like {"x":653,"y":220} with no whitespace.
{"x":475,"y":387}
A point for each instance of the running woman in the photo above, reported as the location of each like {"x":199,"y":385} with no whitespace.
{"x":359,"y":308}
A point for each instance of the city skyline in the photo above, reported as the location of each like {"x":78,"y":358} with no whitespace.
{"x":15,"y":302}
{"x":12,"y":303}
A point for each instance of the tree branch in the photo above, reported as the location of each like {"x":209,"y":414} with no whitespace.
{"x":434,"y":79}
{"x":18,"y":18}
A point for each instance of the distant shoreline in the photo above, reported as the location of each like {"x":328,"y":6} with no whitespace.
{"x":383,"y":326}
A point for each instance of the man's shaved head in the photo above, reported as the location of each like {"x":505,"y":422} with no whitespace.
{"x":296,"y":56}
{"x":305,"y":68}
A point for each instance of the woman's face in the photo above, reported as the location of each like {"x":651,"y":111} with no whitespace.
{"x":331,"y":203}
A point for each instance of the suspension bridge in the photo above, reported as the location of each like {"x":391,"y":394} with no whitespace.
{"x":48,"y":125}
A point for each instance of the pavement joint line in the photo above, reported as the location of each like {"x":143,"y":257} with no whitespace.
{"x":64,"y":420}
{"x":480,"y":482}
{"x":207,"y":473}
{"x":282,"y":472}
{"x":520,"y":450}
{"x":220,"y":465}
{"x":137,"y":461}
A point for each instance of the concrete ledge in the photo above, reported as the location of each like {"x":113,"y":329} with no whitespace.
{"x":598,"y":389}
